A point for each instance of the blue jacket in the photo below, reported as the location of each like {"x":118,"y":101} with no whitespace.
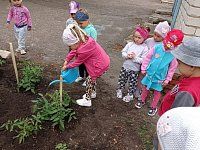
{"x":157,"y":69}
{"x":91,"y":31}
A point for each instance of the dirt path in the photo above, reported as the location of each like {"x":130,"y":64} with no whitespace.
{"x":114,"y":19}
{"x":112,"y":124}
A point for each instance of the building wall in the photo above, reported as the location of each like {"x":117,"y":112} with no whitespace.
{"x":188,"y":19}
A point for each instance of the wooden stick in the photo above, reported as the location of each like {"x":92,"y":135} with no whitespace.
{"x":14,"y":62}
{"x":61,"y":88}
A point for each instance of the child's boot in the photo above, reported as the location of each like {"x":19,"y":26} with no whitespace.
{"x":139,"y":104}
{"x":18,"y":50}
{"x":93,"y":95}
{"x":84,"y":83}
{"x":128,"y":98}
{"x":22,"y":52}
{"x":79,"y":79}
{"x":84,"y":102}
{"x":152,"y":111}
{"x":119,"y":93}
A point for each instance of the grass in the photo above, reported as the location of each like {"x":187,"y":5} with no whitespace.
{"x":146,"y":132}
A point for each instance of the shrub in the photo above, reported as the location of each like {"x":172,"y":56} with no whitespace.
{"x":23,"y":127}
{"x":45,"y":108}
{"x":50,"y":108}
{"x":31,"y":76}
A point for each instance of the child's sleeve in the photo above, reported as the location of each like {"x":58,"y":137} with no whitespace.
{"x":93,"y":34}
{"x":78,"y":61}
{"x":10,"y":15}
{"x":28,"y":15}
{"x":172,"y":69}
{"x":139,"y":59}
{"x":147,"y":59}
{"x":70,"y":55}
{"x":125,"y":51}
{"x":183,"y":99}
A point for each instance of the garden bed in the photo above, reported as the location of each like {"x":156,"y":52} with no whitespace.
{"x":108,"y":124}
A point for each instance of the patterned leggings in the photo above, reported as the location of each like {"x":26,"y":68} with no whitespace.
{"x":130,"y":76}
{"x":90,"y":87}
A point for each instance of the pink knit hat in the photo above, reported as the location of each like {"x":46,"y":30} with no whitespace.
{"x":162,"y":28}
{"x":143,"y":32}
{"x":73,"y":7}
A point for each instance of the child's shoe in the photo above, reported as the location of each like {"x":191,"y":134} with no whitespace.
{"x":18,"y":50}
{"x":93,"y":95}
{"x":84,"y":83}
{"x":84,"y":102}
{"x":128,"y":98}
{"x":22,"y":52}
{"x":139,"y":104}
{"x":152,"y":111}
{"x":119,"y":93}
{"x":79,"y":79}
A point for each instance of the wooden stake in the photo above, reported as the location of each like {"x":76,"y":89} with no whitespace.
{"x":61,"y":88}
{"x":14,"y":62}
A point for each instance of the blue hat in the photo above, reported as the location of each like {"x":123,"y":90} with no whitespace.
{"x":81,"y":16}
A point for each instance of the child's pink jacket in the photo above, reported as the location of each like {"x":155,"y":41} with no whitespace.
{"x":20,"y":16}
{"x":92,"y":55}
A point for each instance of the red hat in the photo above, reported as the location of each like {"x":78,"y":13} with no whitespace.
{"x":173,"y":38}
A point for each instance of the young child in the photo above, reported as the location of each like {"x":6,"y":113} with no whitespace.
{"x":160,"y":32}
{"x":187,"y":92}
{"x":159,"y":67}
{"x":88,"y":52}
{"x":82,"y":18}
{"x":73,"y":8}
{"x":133,"y":53}
{"x":22,"y":22}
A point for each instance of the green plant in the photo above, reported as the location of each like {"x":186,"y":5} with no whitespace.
{"x":61,"y":146}
{"x":45,"y":108}
{"x":31,"y":75}
{"x":50,"y":108}
{"x":144,"y":132}
{"x":24,"y":127}
{"x":2,"y":61}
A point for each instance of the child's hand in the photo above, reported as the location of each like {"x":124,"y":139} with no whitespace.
{"x":29,"y":28}
{"x":65,"y":65}
{"x":143,"y":72}
{"x":131,"y":55}
{"x":165,"y":82}
{"x":8,"y":25}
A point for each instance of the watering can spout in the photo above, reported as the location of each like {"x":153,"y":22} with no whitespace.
{"x":56,"y":81}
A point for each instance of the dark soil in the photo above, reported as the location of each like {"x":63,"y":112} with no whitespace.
{"x":109,"y":124}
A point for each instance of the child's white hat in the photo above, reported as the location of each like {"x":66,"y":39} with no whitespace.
{"x":162,"y":28}
{"x":70,"y":38}
{"x":189,"y":52}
